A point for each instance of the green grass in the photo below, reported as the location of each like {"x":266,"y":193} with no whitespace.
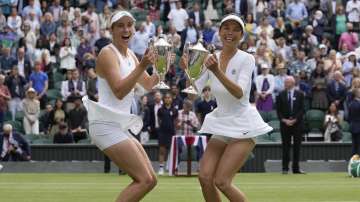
{"x":261,"y":187}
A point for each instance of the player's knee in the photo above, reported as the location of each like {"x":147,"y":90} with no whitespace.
{"x":148,"y":182}
{"x":206,"y":178}
{"x":222,"y":183}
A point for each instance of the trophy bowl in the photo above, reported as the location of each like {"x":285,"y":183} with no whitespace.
{"x":163,"y":51}
{"x":196,"y":57}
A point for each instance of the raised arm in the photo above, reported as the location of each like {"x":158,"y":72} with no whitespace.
{"x":108,"y":68}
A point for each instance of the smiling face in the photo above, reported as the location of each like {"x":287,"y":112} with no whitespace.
{"x":123,"y":29}
{"x":230,"y":33}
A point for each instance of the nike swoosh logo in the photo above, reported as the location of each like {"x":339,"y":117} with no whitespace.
{"x":246,"y":133}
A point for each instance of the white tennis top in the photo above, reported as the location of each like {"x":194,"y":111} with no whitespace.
{"x":110,"y":109}
{"x":233,"y":117}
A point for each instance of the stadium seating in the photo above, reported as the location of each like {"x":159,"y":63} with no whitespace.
{"x":263,"y":138}
{"x":314,"y":121}
{"x":275,"y":136}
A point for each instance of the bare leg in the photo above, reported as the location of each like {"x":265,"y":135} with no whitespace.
{"x":146,"y":158}
{"x":208,"y":165}
{"x":127,"y":156}
{"x":233,"y":158}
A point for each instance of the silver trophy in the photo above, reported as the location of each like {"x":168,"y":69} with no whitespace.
{"x":163,"y":51}
{"x":196,"y":57}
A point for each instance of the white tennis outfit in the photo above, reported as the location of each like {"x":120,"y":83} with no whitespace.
{"x":110,"y":119}
{"x":233,"y":118}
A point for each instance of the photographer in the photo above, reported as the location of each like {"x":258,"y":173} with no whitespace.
{"x":13,"y":147}
{"x":332,"y":124}
{"x":188,"y":123}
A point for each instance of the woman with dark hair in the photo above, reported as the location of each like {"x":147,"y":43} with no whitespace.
{"x":332,"y":124}
{"x":235,"y":123}
{"x":56,"y":116}
{"x":67,"y":55}
{"x":318,"y":82}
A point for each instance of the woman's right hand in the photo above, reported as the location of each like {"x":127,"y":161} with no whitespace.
{"x":184,"y":62}
{"x":147,"y":59}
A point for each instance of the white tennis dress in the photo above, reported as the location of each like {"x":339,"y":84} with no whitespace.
{"x":110,"y":119}
{"x":235,"y":118}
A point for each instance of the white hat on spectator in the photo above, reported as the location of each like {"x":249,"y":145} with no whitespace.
{"x":309,"y":27}
{"x":322,"y":46}
{"x":120,"y":14}
{"x":318,"y":15}
{"x":31,"y":90}
{"x":352,"y":53}
{"x":235,"y":18}
{"x":265,"y":66}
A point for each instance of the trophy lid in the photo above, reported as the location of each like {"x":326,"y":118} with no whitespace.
{"x":199,"y":47}
{"x":162,"y":42}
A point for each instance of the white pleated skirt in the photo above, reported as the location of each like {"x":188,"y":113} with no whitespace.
{"x":109,"y":126}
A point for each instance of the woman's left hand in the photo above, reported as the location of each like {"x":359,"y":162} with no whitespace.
{"x":155,"y":78}
{"x":212,"y":64}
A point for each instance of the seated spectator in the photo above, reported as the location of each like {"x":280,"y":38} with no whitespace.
{"x":336,"y":90}
{"x":14,"y":21}
{"x":348,"y":67}
{"x":7,"y":37}
{"x":265,"y":26}
{"x":279,"y":79}
{"x":4,"y":98}
{"x":13,"y":147}
{"x":83,"y":48}
{"x":91,"y":85}
{"x":67,"y":55}
{"x":57,"y":116}
{"x":187,"y":123}
{"x":265,"y":84}
{"x":64,"y":31}
{"x":350,"y":38}
{"x":150,"y":27}
{"x":45,"y":119}
{"x":23,"y":63}
{"x":6,"y":60}
{"x":72,"y":89}
{"x":48,"y":26}
{"x":102,"y":41}
{"x":64,"y":136}
{"x":31,"y":108}
{"x":299,"y":64}
{"x":139,"y":42}
{"x":197,"y":15}
{"x":2,"y":20}
{"x":250,"y":25}
{"x":296,"y":12}
{"x":318,"y":83}
{"x":77,"y":120}
{"x":16,"y":85}
{"x":332,"y":64}
{"x":174,"y":37}
{"x":332,"y":124}
{"x":39,"y":81}
{"x":308,"y":40}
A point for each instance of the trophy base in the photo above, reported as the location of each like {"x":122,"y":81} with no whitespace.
{"x":161,"y":86}
{"x":190,"y":90}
